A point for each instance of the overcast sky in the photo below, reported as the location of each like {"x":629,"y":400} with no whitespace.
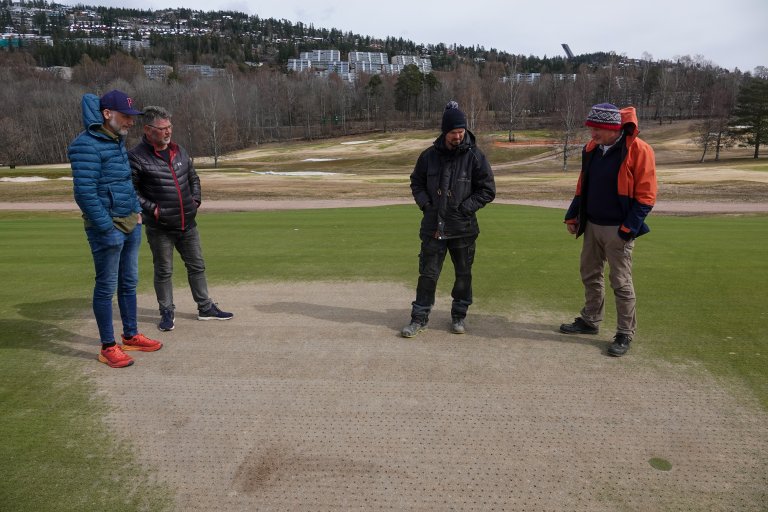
{"x":728,"y":33}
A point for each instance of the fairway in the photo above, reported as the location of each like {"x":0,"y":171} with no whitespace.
{"x":309,"y":399}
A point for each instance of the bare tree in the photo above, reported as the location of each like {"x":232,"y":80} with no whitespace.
{"x":513,"y":106}
{"x":571,"y":109}
{"x":215,"y":118}
{"x":15,"y":147}
{"x":665,"y":80}
{"x":468,"y":93}
{"x":714,"y":128}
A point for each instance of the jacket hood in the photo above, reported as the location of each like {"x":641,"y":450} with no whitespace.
{"x":629,"y":121}
{"x":468,"y":142}
{"x":92,"y":117}
{"x":628,"y":125}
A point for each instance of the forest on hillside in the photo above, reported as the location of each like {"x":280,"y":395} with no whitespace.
{"x":222,"y":38}
{"x":250,"y":105}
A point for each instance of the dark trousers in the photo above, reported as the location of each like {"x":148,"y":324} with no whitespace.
{"x":431,"y":258}
{"x":187,"y":243}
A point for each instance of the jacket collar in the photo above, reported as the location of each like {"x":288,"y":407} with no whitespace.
{"x":171,"y":145}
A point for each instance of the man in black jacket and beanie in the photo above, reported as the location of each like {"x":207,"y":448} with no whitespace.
{"x":169,"y":193}
{"x":452,"y":179}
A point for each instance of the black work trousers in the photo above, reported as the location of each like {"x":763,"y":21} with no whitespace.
{"x":431,"y":258}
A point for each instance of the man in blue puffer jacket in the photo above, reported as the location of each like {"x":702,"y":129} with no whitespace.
{"x":104,"y":192}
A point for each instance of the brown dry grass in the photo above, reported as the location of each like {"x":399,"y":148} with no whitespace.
{"x":378,"y":166}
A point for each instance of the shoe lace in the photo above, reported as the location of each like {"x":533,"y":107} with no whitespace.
{"x":139,"y":338}
{"x":115,"y":352}
{"x":621,"y":339}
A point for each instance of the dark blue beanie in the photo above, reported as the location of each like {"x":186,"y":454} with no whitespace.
{"x":453,"y":117}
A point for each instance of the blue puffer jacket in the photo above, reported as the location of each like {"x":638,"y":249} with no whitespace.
{"x":101,"y":172}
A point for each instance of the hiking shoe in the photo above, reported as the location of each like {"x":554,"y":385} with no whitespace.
{"x":412,"y":329}
{"x":620,"y":345}
{"x":457,"y":326}
{"x":141,"y":343}
{"x":114,"y":357}
{"x":579,"y":326}
{"x":213,"y":313}
{"x":166,"y":320}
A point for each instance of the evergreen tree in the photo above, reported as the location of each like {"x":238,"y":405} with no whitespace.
{"x":751,"y":115}
{"x":408,"y":88}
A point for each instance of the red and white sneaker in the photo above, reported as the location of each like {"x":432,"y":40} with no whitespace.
{"x":141,"y":343}
{"x":114,"y":357}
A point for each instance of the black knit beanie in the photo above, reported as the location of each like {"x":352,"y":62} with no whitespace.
{"x":453,"y":117}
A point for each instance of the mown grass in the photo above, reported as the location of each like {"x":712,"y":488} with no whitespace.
{"x":56,"y":453}
{"x":702,"y":284}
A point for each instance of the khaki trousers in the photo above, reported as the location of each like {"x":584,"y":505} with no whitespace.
{"x":601,"y":244}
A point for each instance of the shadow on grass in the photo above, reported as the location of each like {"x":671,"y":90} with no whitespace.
{"x":40,"y":328}
{"x":478,"y":325}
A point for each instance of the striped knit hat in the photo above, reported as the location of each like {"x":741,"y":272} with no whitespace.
{"x":605,"y":116}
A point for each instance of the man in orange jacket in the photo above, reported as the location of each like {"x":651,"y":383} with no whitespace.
{"x":615,"y":192}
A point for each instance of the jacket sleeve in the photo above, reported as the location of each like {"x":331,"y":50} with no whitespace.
{"x":147,"y":206}
{"x":572,"y":214}
{"x":419,"y":182}
{"x":483,"y":184}
{"x":86,"y":171}
{"x":194,"y":183}
{"x":643,"y":168}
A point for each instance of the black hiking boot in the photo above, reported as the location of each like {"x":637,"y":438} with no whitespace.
{"x":457,"y":325}
{"x":620,"y":345}
{"x":413,"y":328}
{"x":579,"y":326}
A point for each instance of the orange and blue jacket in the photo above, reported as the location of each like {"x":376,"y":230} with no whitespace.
{"x":636,"y":181}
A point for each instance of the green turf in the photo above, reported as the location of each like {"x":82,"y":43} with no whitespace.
{"x":701,"y":282}
{"x":660,"y":464}
{"x":56,"y":453}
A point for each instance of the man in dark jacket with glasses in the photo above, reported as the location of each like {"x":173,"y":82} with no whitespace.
{"x":168,"y":188}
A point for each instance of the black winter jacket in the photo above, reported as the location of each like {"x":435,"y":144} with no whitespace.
{"x":173,"y":189}
{"x":450,"y":186}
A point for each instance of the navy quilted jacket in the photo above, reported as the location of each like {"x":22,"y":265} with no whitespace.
{"x":102,"y":175}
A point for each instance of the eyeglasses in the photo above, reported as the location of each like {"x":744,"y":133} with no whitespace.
{"x":163,"y":129}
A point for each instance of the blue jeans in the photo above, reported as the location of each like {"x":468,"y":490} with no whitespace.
{"x":162,"y":242}
{"x":116,"y":260}
{"x":431,"y":258}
